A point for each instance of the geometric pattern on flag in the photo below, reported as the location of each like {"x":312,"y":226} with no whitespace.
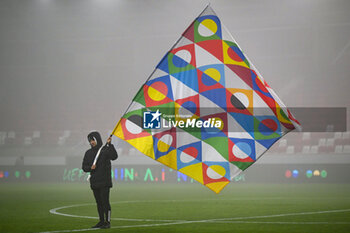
{"x":206,"y":75}
{"x":189,"y":154}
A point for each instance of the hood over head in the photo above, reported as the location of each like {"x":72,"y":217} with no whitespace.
{"x":97,"y":137}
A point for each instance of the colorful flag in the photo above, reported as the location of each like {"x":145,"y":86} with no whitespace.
{"x":205,"y":110}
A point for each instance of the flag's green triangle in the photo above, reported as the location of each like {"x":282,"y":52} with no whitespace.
{"x":220,"y":144}
{"x":242,"y":165}
{"x":138,"y":112}
{"x":167,"y":110}
{"x":196,"y":132}
{"x":140,"y":98}
{"x":174,"y":69}
{"x":260,"y":136}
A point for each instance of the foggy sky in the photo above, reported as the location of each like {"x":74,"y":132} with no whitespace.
{"x":77,"y":64}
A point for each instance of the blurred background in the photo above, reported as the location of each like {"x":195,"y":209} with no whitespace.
{"x":69,"y":67}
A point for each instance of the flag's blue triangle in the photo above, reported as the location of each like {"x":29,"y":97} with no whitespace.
{"x":166,"y":80}
{"x":246,"y":145}
{"x":217,"y":96}
{"x":163,"y":64}
{"x":267,"y":143}
{"x":188,"y":77}
{"x":218,"y":67}
{"x":246,"y":121}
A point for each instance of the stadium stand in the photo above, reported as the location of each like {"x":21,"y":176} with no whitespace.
{"x":292,"y":143}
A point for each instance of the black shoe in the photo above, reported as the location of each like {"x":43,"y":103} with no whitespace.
{"x":106,"y":225}
{"x":99,"y":225}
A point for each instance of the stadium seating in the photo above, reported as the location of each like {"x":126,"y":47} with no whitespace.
{"x":292,"y":143}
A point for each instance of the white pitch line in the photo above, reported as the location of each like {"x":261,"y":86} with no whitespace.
{"x":77,"y":230}
{"x":222,"y":220}
{"x":283,"y":215}
{"x":129,"y":226}
{"x":296,"y":223}
{"x":187,"y":222}
{"x":55,"y":210}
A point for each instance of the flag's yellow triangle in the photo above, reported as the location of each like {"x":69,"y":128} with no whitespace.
{"x":162,"y":146}
{"x":144,"y":145}
{"x":169,"y":159}
{"x":281,"y":115}
{"x":119,"y":132}
{"x":217,"y":186}
{"x":194,"y":171}
{"x":228,"y":59}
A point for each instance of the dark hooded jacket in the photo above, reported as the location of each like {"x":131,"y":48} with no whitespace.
{"x":101,"y":175}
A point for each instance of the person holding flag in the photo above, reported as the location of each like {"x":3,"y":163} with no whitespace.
{"x":97,"y":161}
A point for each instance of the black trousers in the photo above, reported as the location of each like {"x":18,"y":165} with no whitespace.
{"x":103,"y":205}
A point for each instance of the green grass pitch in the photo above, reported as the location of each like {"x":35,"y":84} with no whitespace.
{"x":282,"y":208}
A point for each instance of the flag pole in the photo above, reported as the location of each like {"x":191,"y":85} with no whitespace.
{"x":115,"y":128}
{"x":99,"y":151}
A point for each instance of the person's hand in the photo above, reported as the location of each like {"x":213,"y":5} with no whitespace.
{"x":93,"y":167}
{"x":109,"y":140}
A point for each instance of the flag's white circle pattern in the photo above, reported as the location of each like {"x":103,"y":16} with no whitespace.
{"x":239,"y":153}
{"x":165,"y":142}
{"x":243,"y":98}
{"x":166,"y":138}
{"x":132,"y":127}
{"x":186,"y":158}
{"x":207,"y":28}
{"x":215,"y":172}
{"x":184,"y":55}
